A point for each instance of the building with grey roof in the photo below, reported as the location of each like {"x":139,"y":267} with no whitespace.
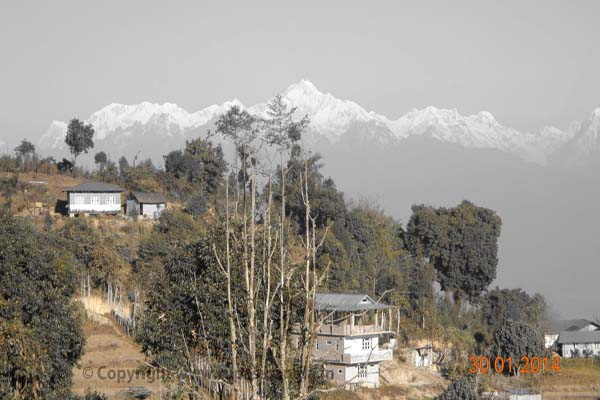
{"x":355,"y":335}
{"x":146,"y":204}
{"x":553,"y":328}
{"x":580,"y":343}
{"x":95,"y":187}
{"x":92,"y":198}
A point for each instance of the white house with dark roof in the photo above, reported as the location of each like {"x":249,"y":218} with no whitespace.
{"x":355,"y":336}
{"x":580,"y":343}
{"x":94,"y":198}
{"x":553,"y":329}
{"x":146,"y":204}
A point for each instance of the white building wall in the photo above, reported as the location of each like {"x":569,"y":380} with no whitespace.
{"x":354,"y":345}
{"x":331,"y":348}
{"x":90,"y":203}
{"x":370,"y":380}
{"x":348,"y":374}
{"x":550,"y":339}
{"x":152,"y":210}
{"x":588,"y":328}
{"x":569,"y":349}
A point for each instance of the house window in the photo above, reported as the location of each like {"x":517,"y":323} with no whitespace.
{"x":95,"y":200}
{"x":329,"y":343}
{"x":111,"y":199}
{"x":366,"y":343}
{"x":362,"y":371}
{"x":337,"y":344}
{"x":339,"y":371}
{"x":317,"y":344}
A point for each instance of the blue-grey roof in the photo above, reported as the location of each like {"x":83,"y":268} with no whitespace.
{"x":562,"y":325}
{"x":346,"y":302}
{"x":579,"y":337}
{"x":149,"y":197}
{"x":95,"y":187}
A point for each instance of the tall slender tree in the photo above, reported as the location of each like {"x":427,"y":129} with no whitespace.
{"x":240,"y":127}
{"x":26,"y":152}
{"x":79,"y":137}
{"x":283,"y":132}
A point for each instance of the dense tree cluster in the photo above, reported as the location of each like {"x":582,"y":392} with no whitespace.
{"x":91,"y":253}
{"x":459,"y":389}
{"x":461,"y":243}
{"x":198,"y":168}
{"x":40,"y":336}
{"x":517,"y":339}
{"x":501,"y":305}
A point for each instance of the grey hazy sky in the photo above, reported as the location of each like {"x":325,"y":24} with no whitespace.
{"x":530,"y":63}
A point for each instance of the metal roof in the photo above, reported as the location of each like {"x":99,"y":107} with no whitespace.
{"x":149,"y":197}
{"x":95,"y":187}
{"x":579,"y":337}
{"x":571,"y":325}
{"x":347,"y":302}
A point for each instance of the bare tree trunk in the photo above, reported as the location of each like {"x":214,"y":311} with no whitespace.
{"x":306,"y":350}
{"x":232,"y":327}
{"x":311,"y":282}
{"x":250,"y":288}
{"x":282,"y":304}
{"x":267,"y":278}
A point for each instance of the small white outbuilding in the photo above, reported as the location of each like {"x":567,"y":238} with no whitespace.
{"x":146,"y":204}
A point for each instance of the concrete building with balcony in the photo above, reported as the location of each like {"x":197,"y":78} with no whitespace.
{"x":355,"y":335}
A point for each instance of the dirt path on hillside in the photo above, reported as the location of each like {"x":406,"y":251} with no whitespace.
{"x":110,"y":362}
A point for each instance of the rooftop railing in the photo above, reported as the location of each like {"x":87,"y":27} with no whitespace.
{"x":348,"y":330}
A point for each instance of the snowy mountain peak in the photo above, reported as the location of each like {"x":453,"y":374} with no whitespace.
{"x":329,"y":115}
{"x":118,"y":120}
{"x":331,"y":119}
{"x":583,"y":145}
{"x":304,"y":88}
{"x":53,"y":137}
{"x":487,"y":116}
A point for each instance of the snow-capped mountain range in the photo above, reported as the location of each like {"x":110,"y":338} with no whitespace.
{"x":331,"y":120}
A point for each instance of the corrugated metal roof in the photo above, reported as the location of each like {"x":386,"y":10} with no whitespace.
{"x":579,"y":337}
{"x":346,"y":302}
{"x":149,"y":197}
{"x":562,"y":325}
{"x":95,"y":187}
